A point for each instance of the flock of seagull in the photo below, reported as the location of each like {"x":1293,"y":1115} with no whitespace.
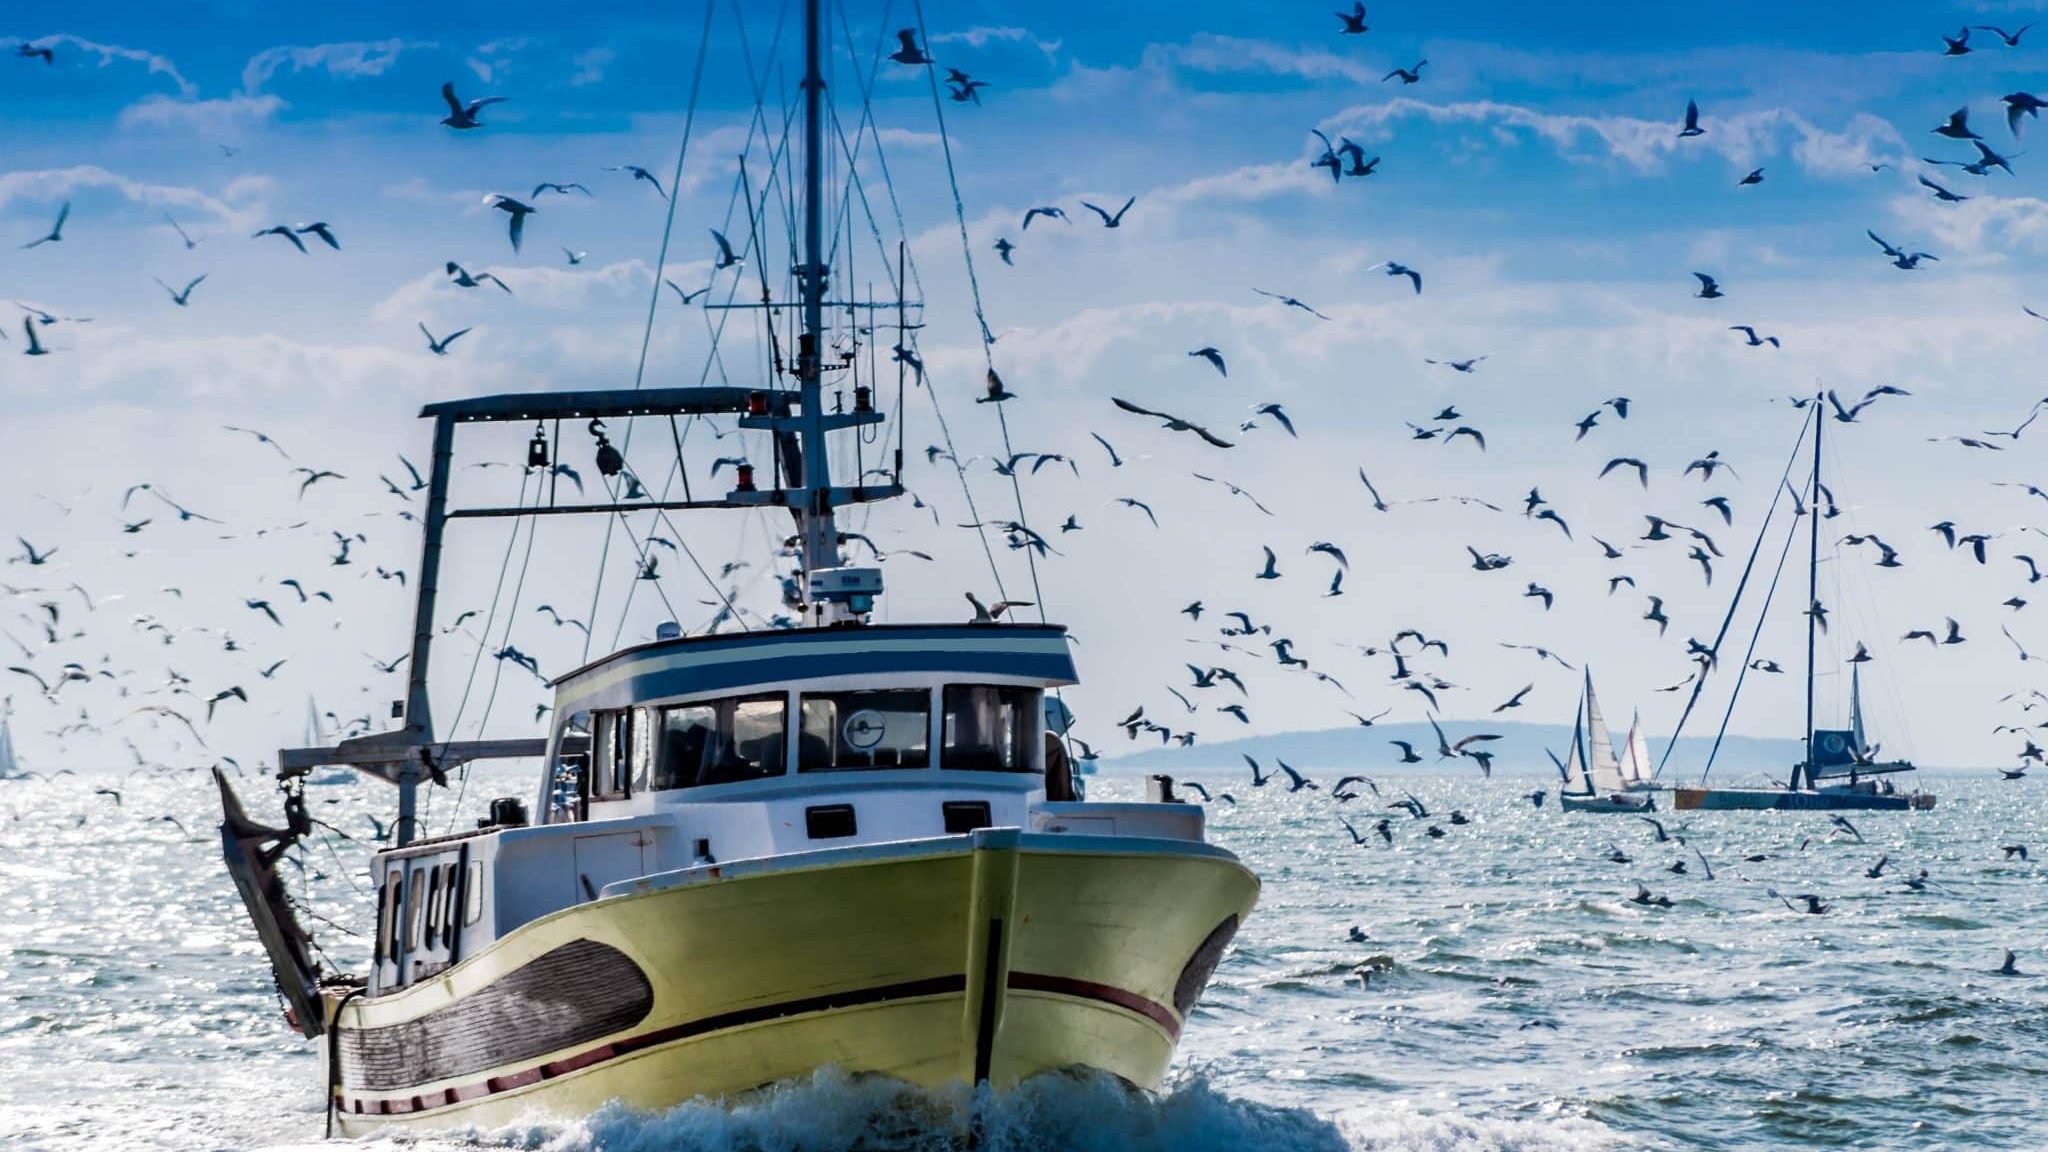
{"x":57,"y":612}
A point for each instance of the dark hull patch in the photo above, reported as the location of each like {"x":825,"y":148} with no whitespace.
{"x":1202,"y":965}
{"x":569,"y":996}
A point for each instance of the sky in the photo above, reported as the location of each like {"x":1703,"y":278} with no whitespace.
{"x":1534,"y":177}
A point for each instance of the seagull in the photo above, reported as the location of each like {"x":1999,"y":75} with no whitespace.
{"x":1274,"y":410}
{"x":907,"y":51}
{"x":1958,"y":44}
{"x":319,"y":228}
{"x":1642,"y":469}
{"x":639,"y":173}
{"x":1900,"y":258}
{"x":1942,"y":194}
{"x":1109,"y":221}
{"x":285,"y":231}
{"x":1457,"y":365}
{"x":990,"y":613}
{"x":461,"y":277}
{"x":1756,"y":176}
{"x":726,"y":257}
{"x":1172,"y":423}
{"x":1754,"y":341}
{"x":181,"y":299}
{"x":516,"y":209}
{"x":2011,"y":39}
{"x":56,"y":232}
{"x":1710,"y":289}
{"x":190,"y":243}
{"x":1958,"y":126}
{"x":1408,"y":75}
{"x":1354,"y":20}
{"x":1291,"y":302}
{"x":1059,"y":214}
{"x":2020,"y":104}
{"x":1004,"y":248}
{"x":440,"y":347}
{"x":1396,"y":268}
{"x":1213,"y":357}
{"x":559,"y":188}
{"x":1692,"y":121}
{"x":35,"y":346}
{"x":462,"y":115}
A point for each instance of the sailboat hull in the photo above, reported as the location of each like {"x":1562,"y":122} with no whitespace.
{"x":995,"y":956}
{"x":1617,"y":804}
{"x":1779,"y":799}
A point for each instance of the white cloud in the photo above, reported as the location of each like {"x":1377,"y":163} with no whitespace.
{"x":211,"y":118}
{"x":239,"y":204}
{"x":108,"y":53}
{"x":1745,"y":139}
{"x":352,"y":59}
{"x":1984,"y":227}
{"x":494,"y":59}
{"x":590,"y":65}
{"x":1227,"y":54}
{"x":982,"y":37}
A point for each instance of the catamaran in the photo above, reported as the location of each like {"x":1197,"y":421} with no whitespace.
{"x":1841,"y":768}
{"x":748,"y":856}
{"x":1594,"y":778}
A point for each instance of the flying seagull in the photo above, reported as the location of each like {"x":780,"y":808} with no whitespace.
{"x":462,"y":115}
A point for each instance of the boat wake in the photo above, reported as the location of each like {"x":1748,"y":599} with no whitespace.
{"x":836,"y":1112}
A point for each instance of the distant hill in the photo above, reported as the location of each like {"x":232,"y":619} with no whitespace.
{"x":1518,"y":752}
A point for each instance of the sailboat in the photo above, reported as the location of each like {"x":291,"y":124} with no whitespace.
{"x":1638,"y":774}
{"x":748,"y":855}
{"x":1600,"y":784}
{"x":1841,"y":769}
{"x":9,"y":769}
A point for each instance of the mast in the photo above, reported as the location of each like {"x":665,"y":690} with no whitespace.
{"x":820,"y":532}
{"x":1812,"y":590}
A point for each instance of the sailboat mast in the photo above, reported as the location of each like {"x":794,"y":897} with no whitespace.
{"x":820,"y":533}
{"x":1812,"y":586}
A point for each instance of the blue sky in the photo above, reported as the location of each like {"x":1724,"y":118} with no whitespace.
{"x":1534,"y":176}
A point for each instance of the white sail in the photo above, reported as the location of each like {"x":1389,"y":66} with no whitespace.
{"x":1858,"y":740}
{"x":7,"y":765}
{"x":313,"y":738}
{"x":1635,"y":759}
{"x":1602,"y":768}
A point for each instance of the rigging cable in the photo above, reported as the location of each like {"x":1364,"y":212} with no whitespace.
{"x":1736,"y":601}
{"x":980,"y":315}
{"x":654,"y":293}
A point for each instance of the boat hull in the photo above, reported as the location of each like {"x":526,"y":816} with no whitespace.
{"x":994,"y":956}
{"x":1627,"y":804}
{"x":1783,"y":800}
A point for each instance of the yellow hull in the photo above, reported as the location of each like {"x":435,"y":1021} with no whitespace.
{"x":995,"y":956}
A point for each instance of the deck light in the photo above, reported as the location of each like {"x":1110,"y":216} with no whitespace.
{"x":863,"y":398}
{"x":746,"y":477}
{"x":757,"y":403}
{"x":537,"y":448}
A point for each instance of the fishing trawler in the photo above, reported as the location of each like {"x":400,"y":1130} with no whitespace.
{"x":1594,"y":778}
{"x":748,"y":856}
{"x":1841,"y":769}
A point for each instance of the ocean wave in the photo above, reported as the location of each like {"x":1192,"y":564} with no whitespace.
{"x":836,"y":1112}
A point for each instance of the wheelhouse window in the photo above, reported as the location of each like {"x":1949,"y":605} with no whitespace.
{"x":611,"y":768}
{"x":876,"y":728}
{"x":721,"y":741}
{"x":990,"y":728}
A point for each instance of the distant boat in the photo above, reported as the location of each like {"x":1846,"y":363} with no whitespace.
{"x":1841,"y":769}
{"x":9,"y":769}
{"x":1594,"y":780}
{"x":1638,"y":774}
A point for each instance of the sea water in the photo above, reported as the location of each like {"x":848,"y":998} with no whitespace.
{"x":1508,"y":995}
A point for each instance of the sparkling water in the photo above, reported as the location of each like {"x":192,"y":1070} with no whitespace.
{"x":1507,"y":995}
